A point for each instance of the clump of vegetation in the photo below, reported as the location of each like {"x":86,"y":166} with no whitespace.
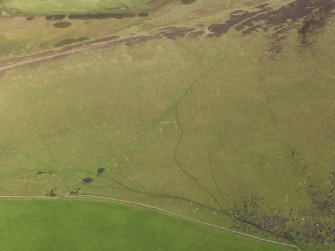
{"x":75,"y":192}
{"x":87,"y":180}
{"x":51,"y":193}
{"x":100,"y":171}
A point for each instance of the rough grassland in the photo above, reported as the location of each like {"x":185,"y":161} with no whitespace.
{"x":87,"y":226}
{"x":117,"y":109}
{"x":238,"y":133}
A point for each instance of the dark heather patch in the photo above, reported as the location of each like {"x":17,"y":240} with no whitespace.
{"x":235,"y":19}
{"x":71,"y":41}
{"x":87,"y":180}
{"x":55,"y":17}
{"x":62,"y":25}
{"x":280,"y":19}
{"x":255,"y":215}
{"x":187,"y":1}
{"x":250,"y":212}
{"x":29,"y":18}
{"x":142,"y":14}
{"x":323,"y":199}
{"x":311,"y":27}
{"x":101,"y":16}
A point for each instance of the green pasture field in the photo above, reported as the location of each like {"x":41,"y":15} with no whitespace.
{"x":45,"y":7}
{"x":85,"y":226}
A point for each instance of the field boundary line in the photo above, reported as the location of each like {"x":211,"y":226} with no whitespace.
{"x":127,"y":202}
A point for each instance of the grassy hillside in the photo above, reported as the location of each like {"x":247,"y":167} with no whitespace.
{"x":46,"y":7}
{"x":86,"y":226}
{"x":219,"y":111}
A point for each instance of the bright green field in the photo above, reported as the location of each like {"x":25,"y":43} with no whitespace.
{"x":87,"y":226}
{"x":61,"y":6}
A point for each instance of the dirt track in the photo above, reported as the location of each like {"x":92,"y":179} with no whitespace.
{"x":168,"y":32}
{"x":51,"y":54}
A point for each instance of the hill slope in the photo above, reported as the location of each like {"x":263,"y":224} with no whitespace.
{"x":219,"y":111}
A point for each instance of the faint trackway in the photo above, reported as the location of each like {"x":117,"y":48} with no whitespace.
{"x":127,"y":202}
{"x":71,"y":49}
